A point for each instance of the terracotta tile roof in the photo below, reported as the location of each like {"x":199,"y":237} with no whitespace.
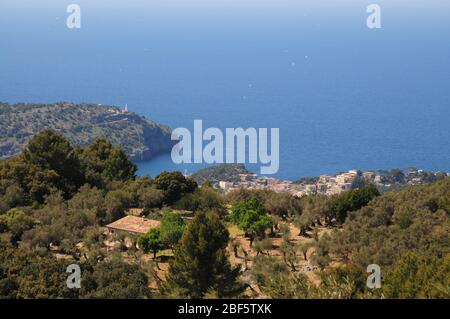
{"x":134,"y":224}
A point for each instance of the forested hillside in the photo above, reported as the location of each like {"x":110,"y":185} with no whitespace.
{"x":57,"y":198}
{"x":81,"y":124}
{"x":220,"y":172}
{"x":414,"y":220}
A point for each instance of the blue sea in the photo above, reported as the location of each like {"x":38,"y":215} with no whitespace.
{"x":343,"y":96}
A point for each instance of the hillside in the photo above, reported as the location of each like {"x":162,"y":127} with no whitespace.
{"x":415,"y":219}
{"x":55,"y":204}
{"x":81,"y":124}
{"x":221,"y":172}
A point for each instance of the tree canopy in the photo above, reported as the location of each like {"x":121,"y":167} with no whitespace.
{"x":251,"y":217}
{"x":201,"y":261}
{"x":174,"y":185}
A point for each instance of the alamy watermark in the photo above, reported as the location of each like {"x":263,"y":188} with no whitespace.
{"x":374,"y":19}
{"x":74,"y":279}
{"x":374,"y":279}
{"x":74,"y":19}
{"x":232,"y":147}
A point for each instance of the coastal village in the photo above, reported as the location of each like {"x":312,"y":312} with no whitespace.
{"x":330,"y":184}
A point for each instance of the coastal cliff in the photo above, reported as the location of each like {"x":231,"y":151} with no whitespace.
{"x":81,"y":123}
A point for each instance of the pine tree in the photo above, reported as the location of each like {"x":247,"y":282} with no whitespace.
{"x":201,"y":262}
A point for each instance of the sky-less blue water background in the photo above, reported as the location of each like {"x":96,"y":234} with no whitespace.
{"x":342,"y":95}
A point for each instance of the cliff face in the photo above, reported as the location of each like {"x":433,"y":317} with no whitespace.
{"x":81,"y":123}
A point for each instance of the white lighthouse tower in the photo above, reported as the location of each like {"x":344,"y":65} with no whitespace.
{"x":126,"y":108}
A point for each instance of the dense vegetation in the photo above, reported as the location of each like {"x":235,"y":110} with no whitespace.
{"x":81,"y":124}
{"x":407,"y":233}
{"x":415,"y":220}
{"x":201,"y":262}
{"x":56,"y":198}
{"x":221,"y":172}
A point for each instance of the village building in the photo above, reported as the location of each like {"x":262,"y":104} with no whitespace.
{"x":132,"y":225}
{"x":323,"y":179}
{"x":346,"y":177}
{"x":378,"y":179}
{"x":225,"y":185}
{"x":247,"y":177}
